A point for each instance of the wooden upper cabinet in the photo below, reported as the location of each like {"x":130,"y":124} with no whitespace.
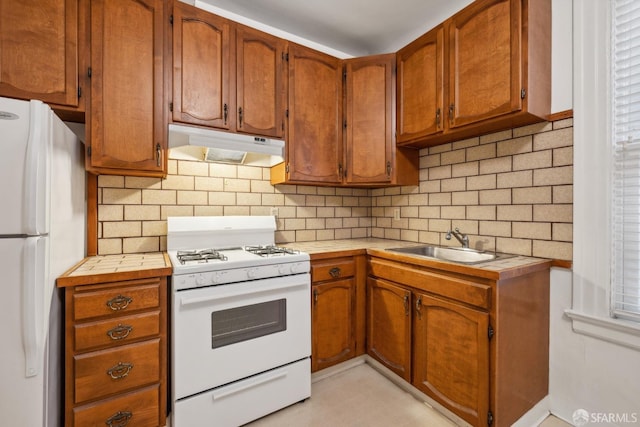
{"x":485,"y":78}
{"x":201,"y":68}
{"x":420,"y":82}
{"x":369,"y":123}
{"x":496,"y":68}
{"x":39,"y":54}
{"x":314,"y":151}
{"x":261,"y":85}
{"x":127,"y":130}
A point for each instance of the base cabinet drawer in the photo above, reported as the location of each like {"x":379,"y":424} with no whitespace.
{"x":137,"y":409}
{"x":118,"y":331}
{"x":116,"y":301}
{"x":101,"y":373}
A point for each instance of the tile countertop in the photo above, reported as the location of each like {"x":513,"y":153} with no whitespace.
{"x":103,"y":268}
{"x":498,"y":269}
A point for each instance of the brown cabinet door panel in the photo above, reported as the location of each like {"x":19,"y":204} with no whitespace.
{"x":314,"y":148}
{"x":333,"y":323}
{"x":39,"y":54}
{"x":201,"y":67}
{"x":485,"y":76}
{"x":127,"y":129}
{"x":140,"y":408}
{"x":106,"y":372}
{"x":261,"y":71}
{"x":389,"y":326}
{"x":451,"y":356}
{"x":420,"y":83}
{"x":369,"y":127}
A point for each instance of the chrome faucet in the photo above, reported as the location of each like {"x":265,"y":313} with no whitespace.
{"x":462,"y":238}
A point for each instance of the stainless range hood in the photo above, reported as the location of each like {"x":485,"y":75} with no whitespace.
{"x":193,"y":143}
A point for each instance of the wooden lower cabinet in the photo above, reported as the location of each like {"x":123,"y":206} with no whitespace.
{"x":116,"y":353}
{"x":479,"y":346}
{"x":337,"y":315}
{"x":451,"y":356}
{"x":389,"y":325}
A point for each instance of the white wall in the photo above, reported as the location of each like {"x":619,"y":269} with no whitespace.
{"x":596,"y":369}
{"x":561,"y":58}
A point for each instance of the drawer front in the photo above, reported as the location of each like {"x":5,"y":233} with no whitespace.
{"x":332,"y":269}
{"x":116,"y":301}
{"x":459,"y":289}
{"x":121,"y":330}
{"x":104,"y":372}
{"x":140,"y":409}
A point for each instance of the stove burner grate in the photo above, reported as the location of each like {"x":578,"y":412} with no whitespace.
{"x":270,"y":250}
{"x":203,"y":255}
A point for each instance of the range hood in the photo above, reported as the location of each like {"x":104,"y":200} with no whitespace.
{"x":193,"y":143}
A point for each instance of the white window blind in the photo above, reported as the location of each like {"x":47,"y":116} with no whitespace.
{"x":625,"y":289}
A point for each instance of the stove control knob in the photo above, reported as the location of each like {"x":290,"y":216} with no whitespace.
{"x":282,"y":269}
{"x":200,"y":280}
{"x":296,"y":268}
{"x":251,"y":273}
{"x":215,"y":278}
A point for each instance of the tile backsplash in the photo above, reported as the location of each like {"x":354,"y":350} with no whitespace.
{"x":510,"y":191}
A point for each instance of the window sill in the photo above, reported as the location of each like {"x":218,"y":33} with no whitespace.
{"x":615,"y":331}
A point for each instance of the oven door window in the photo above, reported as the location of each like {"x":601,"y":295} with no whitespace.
{"x":247,"y":322}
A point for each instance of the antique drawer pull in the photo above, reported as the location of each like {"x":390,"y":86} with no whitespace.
{"x":335,"y":272}
{"x":119,"y":332}
{"x":120,"y":371}
{"x":119,"y":419}
{"x":119,"y":303}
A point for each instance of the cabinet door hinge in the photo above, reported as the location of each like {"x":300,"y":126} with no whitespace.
{"x":89,"y":151}
{"x":490,"y":418}
{"x":286,"y":113}
{"x":285,"y":56}
{"x":344,"y":124}
{"x":171,"y":19}
{"x":344,"y":75}
{"x":491,"y":332}
{"x":523,"y":93}
{"x":79,"y":92}
{"x":89,"y":72}
{"x":171,"y":107}
{"x":286,"y":168}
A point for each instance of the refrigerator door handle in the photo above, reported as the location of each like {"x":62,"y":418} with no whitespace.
{"x":36,"y":170}
{"x":33,"y":308}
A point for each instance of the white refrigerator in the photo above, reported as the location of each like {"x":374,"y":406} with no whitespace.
{"x":42,"y":234}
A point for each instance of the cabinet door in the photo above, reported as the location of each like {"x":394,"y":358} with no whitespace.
{"x":420,"y":83}
{"x":333,"y":323}
{"x":369,"y":119}
{"x":260,"y":87}
{"x":201,"y":67}
{"x":485,"y":78}
{"x":39,"y":54}
{"x":389,"y":325}
{"x":451,"y":356}
{"x":314,"y":142}
{"x":127,"y":123}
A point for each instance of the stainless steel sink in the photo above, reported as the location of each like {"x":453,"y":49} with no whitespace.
{"x":460,"y":255}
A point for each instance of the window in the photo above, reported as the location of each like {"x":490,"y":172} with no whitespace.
{"x":625,"y":216}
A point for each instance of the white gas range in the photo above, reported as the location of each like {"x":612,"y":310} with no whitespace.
{"x":241,"y":327}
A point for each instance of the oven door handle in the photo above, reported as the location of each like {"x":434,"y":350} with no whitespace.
{"x":185,"y":301}
{"x":250,"y":384}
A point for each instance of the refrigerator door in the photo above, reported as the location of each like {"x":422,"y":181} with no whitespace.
{"x":25,"y":129}
{"x":23,"y":362}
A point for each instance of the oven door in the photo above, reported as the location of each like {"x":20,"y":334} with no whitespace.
{"x":225,"y":333}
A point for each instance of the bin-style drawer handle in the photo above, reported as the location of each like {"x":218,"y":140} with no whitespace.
{"x":119,"y":303}
{"x":120,"y":371}
{"x":335,"y":272}
{"x":120,"y":332}
{"x":119,"y":419}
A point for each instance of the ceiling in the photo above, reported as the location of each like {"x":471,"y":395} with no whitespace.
{"x":354,"y":27}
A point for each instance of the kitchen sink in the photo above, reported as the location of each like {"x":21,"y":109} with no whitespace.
{"x":459,"y":255}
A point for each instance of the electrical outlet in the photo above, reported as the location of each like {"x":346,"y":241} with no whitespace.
{"x":396,"y":214}
{"x":274,"y":212}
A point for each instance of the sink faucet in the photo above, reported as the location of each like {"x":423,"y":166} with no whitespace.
{"x":462,"y":238}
